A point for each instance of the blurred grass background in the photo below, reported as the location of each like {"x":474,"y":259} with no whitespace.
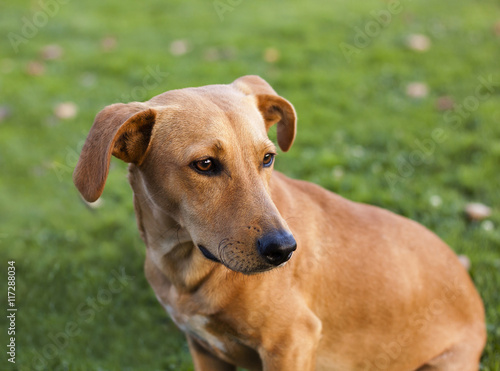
{"x":360,"y":125}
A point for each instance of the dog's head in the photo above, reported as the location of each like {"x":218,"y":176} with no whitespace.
{"x":204,"y":157}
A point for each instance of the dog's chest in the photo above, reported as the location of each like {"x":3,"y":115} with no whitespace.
{"x":198,"y":326}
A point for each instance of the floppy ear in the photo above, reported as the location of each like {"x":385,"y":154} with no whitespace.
{"x":274,"y":109}
{"x":121,"y":130}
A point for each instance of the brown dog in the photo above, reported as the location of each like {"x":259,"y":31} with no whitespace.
{"x":365,"y":289}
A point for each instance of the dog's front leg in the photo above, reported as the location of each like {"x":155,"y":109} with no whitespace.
{"x":204,"y":360}
{"x":294,"y":347}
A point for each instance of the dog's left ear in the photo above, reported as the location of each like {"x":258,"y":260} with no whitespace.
{"x":274,"y":109}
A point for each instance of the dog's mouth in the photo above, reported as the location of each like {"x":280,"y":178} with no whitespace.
{"x":207,"y":254}
{"x":235,"y":263}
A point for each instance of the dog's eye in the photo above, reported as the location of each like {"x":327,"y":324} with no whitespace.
{"x":205,"y":165}
{"x":268,"y":159}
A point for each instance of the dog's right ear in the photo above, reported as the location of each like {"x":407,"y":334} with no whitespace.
{"x":121,"y":130}
{"x":274,"y":109}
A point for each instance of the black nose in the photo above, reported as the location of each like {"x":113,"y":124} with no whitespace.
{"x":276,"y":247}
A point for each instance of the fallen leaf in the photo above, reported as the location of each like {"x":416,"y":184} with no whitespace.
{"x":179,"y":47}
{"x":444,"y":103}
{"x":477,"y":211}
{"x":436,"y":200}
{"x":35,"y":68}
{"x":417,"y":90}
{"x":418,"y":42}
{"x":66,"y":110}
{"x":51,"y":52}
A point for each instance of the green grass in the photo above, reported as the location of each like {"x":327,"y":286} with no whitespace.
{"x":357,"y":130}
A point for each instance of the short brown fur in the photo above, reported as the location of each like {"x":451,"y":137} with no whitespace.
{"x":365,"y":289}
